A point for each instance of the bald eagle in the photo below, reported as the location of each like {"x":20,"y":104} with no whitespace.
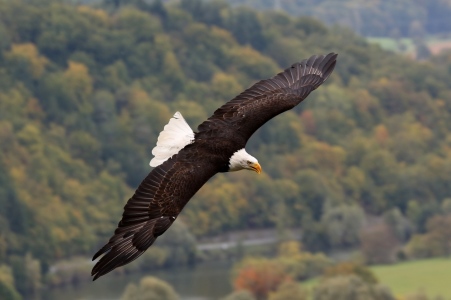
{"x":185,"y":160}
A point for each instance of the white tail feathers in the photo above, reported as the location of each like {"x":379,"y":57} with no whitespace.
{"x":174,"y":137}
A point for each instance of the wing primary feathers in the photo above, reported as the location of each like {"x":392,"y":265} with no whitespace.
{"x":309,"y":64}
{"x":169,"y":186}
{"x":151,"y":210}
{"x":126,"y":254}
{"x":268,"y":98}
{"x":101,"y":251}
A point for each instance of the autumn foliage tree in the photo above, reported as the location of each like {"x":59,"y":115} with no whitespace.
{"x":378,"y":244}
{"x":259,"y":276}
{"x":84,"y":94}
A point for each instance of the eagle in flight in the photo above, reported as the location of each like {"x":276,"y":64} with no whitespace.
{"x":185,"y":160}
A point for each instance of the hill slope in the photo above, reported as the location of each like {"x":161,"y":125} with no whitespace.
{"x":84,"y":94}
{"x":370,"y":18}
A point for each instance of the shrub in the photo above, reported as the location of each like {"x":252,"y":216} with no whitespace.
{"x":350,"y":268}
{"x":260,"y":276}
{"x":289,"y":291}
{"x":7,"y":288}
{"x":150,"y":288}
{"x":350,"y":288}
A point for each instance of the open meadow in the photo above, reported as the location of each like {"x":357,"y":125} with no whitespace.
{"x":428,"y":276}
{"x":406,"y":45}
{"x":431,"y":276}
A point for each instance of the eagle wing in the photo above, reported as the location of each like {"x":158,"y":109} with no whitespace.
{"x":268,"y":98}
{"x":152,"y":210}
{"x":165,"y":191}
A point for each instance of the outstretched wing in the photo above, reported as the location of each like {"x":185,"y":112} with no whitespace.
{"x":152,"y":210}
{"x":165,"y":191}
{"x":268,"y":98}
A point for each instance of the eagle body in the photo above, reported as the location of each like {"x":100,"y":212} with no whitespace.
{"x":221,"y":148}
{"x":185,"y":160}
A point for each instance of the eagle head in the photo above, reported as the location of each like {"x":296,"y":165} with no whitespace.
{"x":242,"y":160}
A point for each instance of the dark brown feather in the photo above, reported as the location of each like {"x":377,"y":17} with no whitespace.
{"x":152,"y":210}
{"x":267,"y":98}
{"x":165,"y":191}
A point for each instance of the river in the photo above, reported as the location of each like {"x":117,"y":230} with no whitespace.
{"x":204,"y":282}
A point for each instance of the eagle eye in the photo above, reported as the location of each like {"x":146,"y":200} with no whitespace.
{"x":249,"y":162}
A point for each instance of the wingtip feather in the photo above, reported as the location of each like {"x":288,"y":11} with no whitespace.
{"x":101,"y":251}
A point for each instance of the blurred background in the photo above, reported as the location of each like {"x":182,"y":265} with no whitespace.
{"x":355,"y":199}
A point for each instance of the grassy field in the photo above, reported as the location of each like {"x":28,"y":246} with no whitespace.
{"x":391,"y":44}
{"x":431,"y":276}
{"x":407,"y":46}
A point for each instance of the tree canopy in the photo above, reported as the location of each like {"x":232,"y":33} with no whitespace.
{"x":370,"y":18}
{"x":85,"y":90}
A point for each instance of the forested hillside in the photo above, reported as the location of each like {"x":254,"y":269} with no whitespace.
{"x":370,"y":18}
{"x":84,"y":93}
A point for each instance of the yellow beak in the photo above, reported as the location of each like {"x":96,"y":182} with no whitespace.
{"x":256,"y":167}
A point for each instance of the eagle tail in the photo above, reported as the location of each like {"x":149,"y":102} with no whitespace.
{"x":175,"y":136}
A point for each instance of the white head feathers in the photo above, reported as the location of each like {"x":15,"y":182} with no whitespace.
{"x":242,"y":160}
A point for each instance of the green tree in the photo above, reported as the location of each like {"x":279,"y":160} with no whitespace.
{"x":247,"y":29}
{"x":27,"y":274}
{"x":435,"y":242}
{"x":350,"y":288}
{"x":7,"y":288}
{"x":149,"y":288}
{"x":343,"y":224}
{"x":289,"y":291}
{"x":351,"y":268}
{"x":400,"y":225}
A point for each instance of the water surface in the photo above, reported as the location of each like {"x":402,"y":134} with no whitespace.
{"x":203,"y":282}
